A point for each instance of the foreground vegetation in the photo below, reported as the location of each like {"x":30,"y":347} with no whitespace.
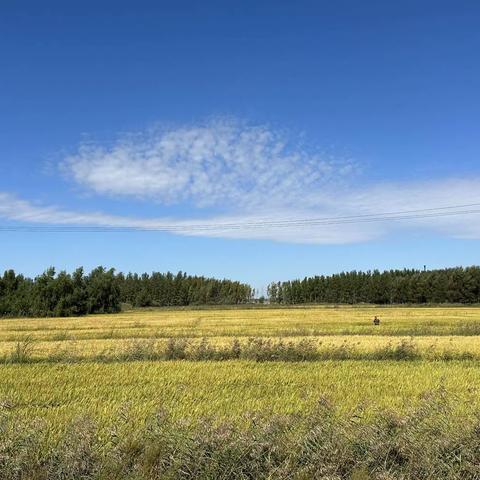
{"x":424,"y":443}
{"x":288,"y":393}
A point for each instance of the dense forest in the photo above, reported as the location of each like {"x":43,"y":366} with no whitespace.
{"x":450,"y":285}
{"x":103,"y":291}
{"x":166,"y":289}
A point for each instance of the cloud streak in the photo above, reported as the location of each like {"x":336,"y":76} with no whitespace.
{"x":252,"y":175}
{"x":376,"y":200}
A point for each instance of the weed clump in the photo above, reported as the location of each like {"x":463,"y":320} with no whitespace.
{"x":23,"y":351}
{"x":262,"y":350}
{"x":176,"y":349}
{"x":405,"y":350}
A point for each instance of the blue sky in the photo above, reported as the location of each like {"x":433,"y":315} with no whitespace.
{"x":190,"y":115}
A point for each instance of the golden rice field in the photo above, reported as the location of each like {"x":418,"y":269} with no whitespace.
{"x":299,"y":321}
{"x":58,"y":391}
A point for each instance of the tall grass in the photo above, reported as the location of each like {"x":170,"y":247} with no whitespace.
{"x":425,"y":443}
{"x":256,"y":349}
{"x":23,"y":351}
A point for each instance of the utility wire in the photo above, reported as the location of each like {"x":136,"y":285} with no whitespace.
{"x":426,"y":213}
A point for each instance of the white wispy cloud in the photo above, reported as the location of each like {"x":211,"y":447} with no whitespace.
{"x":221,"y":162}
{"x":252,"y":174}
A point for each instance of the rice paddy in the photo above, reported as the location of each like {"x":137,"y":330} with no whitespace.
{"x":224,"y":390}
{"x":248,"y":322}
{"x":58,"y":391}
{"x":79,"y":394}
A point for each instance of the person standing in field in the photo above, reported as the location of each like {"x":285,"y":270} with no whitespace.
{"x":376,"y":320}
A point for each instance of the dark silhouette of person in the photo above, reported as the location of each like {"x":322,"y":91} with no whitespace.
{"x":376,"y":320}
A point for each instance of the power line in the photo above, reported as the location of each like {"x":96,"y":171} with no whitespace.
{"x":426,"y":213}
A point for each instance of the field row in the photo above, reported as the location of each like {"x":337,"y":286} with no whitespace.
{"x":266,"y":322}
{"x":58,"y":393}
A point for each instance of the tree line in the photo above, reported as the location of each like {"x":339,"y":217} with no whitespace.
{"x":103,"y":291}
{"x":449,"y":285}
